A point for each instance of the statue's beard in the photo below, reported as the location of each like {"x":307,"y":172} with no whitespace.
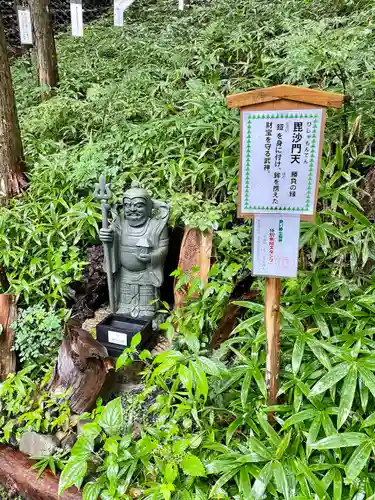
{"x":136,"y":219}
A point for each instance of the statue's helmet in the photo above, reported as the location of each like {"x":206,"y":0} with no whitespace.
{"x":135,"y":191}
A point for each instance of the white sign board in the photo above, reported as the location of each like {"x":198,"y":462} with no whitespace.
{"x":119,"y":8}
{"x":275,"y":245}
{"x":24,"y":22}
{"x":76,"y":15}
{"x":117,"y":338}
{"x":280,"y":160}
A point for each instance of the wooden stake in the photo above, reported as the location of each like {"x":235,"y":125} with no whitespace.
{"x":272,"y":322}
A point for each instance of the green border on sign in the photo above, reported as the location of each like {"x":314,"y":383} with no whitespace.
{"x":265,"y":116}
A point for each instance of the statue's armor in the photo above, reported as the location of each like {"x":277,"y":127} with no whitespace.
{"x":137,"y":283}
{"x":129,"y":237}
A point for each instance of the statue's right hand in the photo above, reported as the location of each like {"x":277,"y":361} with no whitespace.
{"x":106,"y":235}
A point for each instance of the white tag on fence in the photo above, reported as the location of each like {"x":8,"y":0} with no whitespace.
{"x":275,"y":245}
{"x":24,"y":22}
{"x":76,"y":14}
{"x":119,"y":7}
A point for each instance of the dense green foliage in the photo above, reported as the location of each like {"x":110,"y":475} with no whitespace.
{"x":26,"y":406}
{"x":148,"y":102}
{"x":38,"y":334}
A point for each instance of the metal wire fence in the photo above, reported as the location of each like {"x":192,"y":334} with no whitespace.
{"x":60,"y":11}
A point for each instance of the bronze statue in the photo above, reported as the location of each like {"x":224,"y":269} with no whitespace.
{"x":136,"y":246}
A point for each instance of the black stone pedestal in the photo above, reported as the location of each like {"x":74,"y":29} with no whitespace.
{"x":116,"y":331}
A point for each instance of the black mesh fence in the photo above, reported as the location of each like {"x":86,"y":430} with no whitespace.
{"x":60,"y":11}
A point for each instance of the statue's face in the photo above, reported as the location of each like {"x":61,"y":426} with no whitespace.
{"x":136,"y":211}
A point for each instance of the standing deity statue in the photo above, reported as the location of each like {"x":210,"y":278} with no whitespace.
{"x":137,"y":246}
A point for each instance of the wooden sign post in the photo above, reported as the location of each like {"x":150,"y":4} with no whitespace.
{"x":282,"y":133}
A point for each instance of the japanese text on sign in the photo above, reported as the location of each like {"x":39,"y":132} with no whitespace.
{"x":275,"y":245}
{"x":24,"y":21}
{"x":280,"y":158}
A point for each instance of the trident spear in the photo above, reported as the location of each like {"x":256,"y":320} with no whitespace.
{"x":103,"y":193}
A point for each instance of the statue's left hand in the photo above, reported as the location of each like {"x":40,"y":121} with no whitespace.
{"x":146,"y":258}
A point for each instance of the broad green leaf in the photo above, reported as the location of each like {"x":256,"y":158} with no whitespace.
{"x":358,"y":460}
{"x":186,"y":377}
{"x":82,"y":449}
{"x":222,"y":480}
{"x":340,"y":441}
{"x":331,"y":378}
{"x":245,"y":483}
{"x":180,"y":445}
{"x":313,"y":433}
{"x":112,"y":417}
{"x":245,"y":388}
{"x":146,"y":445}
{"x":368,"y":378}
{"x":322,"y":324}
{"x":259,"y":379}
{"x":72,"y":474}
{"x":347,"y":395}
{"x":356,"y":214}
{"x":124,"y":359}
{"x":280,"y":478}
{"x":200,"y":379}
{"x":136,"y":340}
{"x":300,"y":417}
{"x":298,"y":350}
{"x":111,"y":445}
{"x":314,"y":482}
{"x":269,"y":430}
{"x":212,"y":367}
{"x":257,"y":447}
{"x":370,"y":420}
{"x":112,"y":470}
{"x":232,"y":428}
{"x":283,"y":445}
{"x":91,"y":430}
{"x":91,"y":491}
{"x":261,"y":482}
{"x":337,"y":485}
{"x":192,"y":466}
{"x":170,"y":473}
{"x":363,"y":393}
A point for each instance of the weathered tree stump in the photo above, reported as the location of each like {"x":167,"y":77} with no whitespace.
{"x":17,"y":476}
{"x":8,"y":313}
{"x":196,"y":250}
{"x":81,"y":366}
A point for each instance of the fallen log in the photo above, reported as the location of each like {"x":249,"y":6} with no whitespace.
{"x":17,"y":476}
{"x":8,"y":313}
{"x":81,"y":367}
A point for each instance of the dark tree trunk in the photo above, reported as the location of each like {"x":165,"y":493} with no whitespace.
{"x":12,"y":177}
{"x":44,"y":45}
